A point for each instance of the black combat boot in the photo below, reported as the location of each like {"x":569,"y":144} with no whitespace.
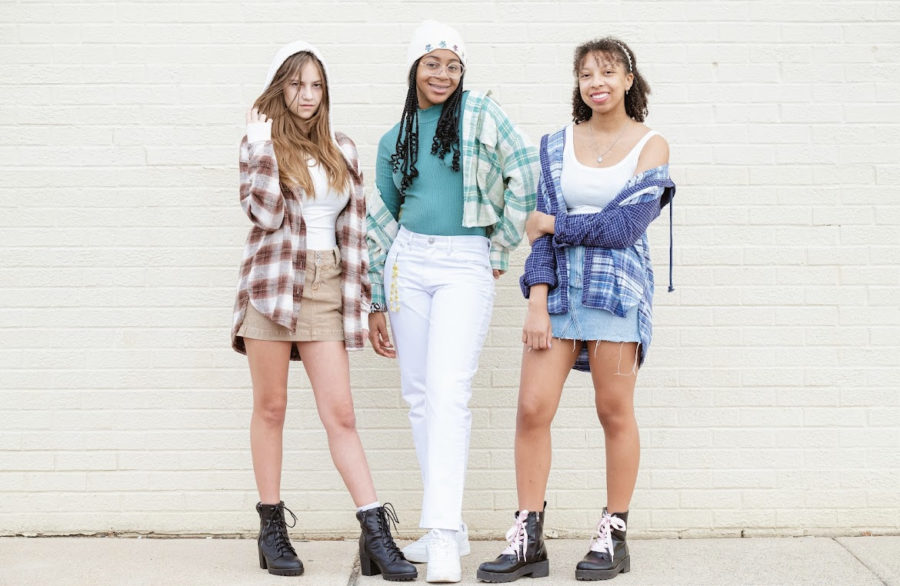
{"x":378,"y":554}
{"x":275,"y":550}
{"x":525,"y":555}
{"x":608,"y":556}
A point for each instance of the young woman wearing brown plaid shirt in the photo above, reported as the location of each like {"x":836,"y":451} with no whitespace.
{"x":304,"y":291}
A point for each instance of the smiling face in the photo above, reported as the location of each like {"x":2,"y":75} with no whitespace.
{"x":304,"y":90}
{"x":437,"y":77}
{"x":603,"y":82}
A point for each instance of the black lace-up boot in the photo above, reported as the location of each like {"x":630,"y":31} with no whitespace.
{"x":525,"y":555}
{"x":608,"y":556}
{"x":275,"y":550}
{"x":378,"y":554}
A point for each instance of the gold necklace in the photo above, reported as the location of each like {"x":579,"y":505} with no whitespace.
{"x":594,"y":139}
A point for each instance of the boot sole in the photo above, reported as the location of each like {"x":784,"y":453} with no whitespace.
{"x":368,"y":567}
{"x":264,"y":565}
{"x":535,"y":570}
{"x":595,"y":575}
{"x":286,"y":572}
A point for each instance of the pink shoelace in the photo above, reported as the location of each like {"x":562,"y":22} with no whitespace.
{"x":517,"y":537}
{"x":602,"y":541}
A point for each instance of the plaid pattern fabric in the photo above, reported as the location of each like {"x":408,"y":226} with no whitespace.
{"x":617,"y":268}
{"x":272,"y":272}
{"x":499,"y":169}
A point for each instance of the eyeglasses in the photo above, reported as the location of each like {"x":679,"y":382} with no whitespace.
{"x":434,"y":68}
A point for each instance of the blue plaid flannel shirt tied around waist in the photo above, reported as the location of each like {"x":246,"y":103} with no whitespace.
{"x":617,"y":270}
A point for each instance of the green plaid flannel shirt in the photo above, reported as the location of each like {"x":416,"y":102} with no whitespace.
{"x":500,"y":170}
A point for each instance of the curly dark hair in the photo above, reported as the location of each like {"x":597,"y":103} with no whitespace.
{"x":446,"y":137}
{"x":618,"y":51}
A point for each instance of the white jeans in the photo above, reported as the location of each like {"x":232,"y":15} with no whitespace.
{"x":440,"y":292}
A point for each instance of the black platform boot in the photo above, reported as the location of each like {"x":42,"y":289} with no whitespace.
{"x":524,"y":556}
{"x":608,"y":556}
{"x":378,"y":554}
{"x":275,"y":550}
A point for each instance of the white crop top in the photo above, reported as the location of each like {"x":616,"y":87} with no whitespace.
{"x":321,"y":212}
{"x":588,"y":189}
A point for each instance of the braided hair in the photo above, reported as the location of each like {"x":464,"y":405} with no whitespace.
{"x":446,"y":137}
{"x":616,"y":50}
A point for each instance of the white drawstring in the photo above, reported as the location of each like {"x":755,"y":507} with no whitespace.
{"x":517,"y":536}
{"x":602,"y":542}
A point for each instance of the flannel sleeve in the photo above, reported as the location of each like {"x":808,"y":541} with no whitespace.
{"x":381,"y":229}
{"x":617,"y":226}
{"x":519,"y":163}
{"x":540,"y":266}
{"x":260,"y":189}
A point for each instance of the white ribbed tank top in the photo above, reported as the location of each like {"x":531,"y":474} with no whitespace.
{"x":320,"y":212}
{"x":588,"y":189}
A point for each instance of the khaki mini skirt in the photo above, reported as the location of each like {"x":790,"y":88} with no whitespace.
{"x":321,"y":305}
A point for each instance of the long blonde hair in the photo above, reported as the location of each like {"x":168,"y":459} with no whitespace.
{"x":294,"y":146}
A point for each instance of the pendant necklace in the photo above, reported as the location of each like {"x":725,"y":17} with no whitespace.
{"x":594,"y":137}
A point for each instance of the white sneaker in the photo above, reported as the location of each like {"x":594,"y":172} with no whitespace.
{"x":443,"y":559}
{"x":417,"y":551}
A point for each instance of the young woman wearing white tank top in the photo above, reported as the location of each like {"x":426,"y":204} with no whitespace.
{"x":589,"y":287}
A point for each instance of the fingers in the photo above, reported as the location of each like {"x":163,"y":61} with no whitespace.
{"x":385,"y":339}
{"x":536,"y":340}
{"x":383,"y":347}
{"x":379,"y":337}
{"x":254,"y":115}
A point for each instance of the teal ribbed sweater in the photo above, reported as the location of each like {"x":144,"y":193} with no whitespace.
{"x":434,"y":201}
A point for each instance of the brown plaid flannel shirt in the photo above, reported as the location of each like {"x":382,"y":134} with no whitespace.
{"x":274,"y":264}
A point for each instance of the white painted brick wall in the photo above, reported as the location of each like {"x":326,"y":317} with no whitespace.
{"x":769,"y":404}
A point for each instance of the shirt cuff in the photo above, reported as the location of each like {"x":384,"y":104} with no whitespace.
{"x":259,"y":131}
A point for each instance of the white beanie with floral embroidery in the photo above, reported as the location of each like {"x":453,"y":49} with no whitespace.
{"x":431,"y":36}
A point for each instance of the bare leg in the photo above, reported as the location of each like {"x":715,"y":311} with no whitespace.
{"x":268,"y":370}
{"x":328,"y":368}
{"x":614,"y":379}
{"x":543,"y":374}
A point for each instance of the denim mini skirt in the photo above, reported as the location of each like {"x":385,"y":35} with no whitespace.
{"x":590,"y":323}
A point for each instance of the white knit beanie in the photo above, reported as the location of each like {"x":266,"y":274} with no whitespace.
{"x":431,"y":36}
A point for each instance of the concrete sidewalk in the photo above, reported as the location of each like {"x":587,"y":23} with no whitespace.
{"x":120,"y":561}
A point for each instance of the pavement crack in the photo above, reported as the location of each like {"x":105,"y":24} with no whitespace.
{"x":353,"y":580}
{"x":856,"y":557}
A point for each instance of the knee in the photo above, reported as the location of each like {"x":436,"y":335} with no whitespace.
{"x":271,"y":410}
{"x":341,"y":420}
{"x":616,"y":418}
{"x":533,"y":416}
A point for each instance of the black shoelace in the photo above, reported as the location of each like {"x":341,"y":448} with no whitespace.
{"x":388,"y":513}
{"x":279,"y":538}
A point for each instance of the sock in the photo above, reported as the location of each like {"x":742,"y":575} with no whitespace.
{"x":370,"y":506}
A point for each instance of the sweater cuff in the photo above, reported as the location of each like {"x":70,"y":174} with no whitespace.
{"x":259,"y":131}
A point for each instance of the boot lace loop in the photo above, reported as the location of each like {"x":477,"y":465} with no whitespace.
{"x":278,"y":537}
{"x":602,"y":541}
{"x":386,"y":517}
{"x":517,"y":537}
